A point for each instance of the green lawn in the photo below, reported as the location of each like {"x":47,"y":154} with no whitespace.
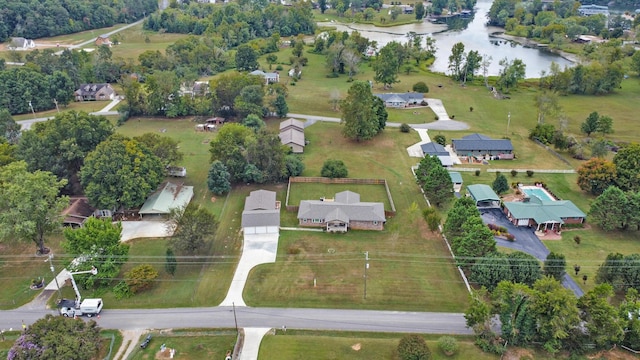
{"x":134,"y":41}
{"x":189,"y":345}
{"x":314,"y":191}
{"x":86,"y":106}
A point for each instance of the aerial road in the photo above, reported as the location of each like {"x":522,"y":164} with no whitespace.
{"x":292,"y":318}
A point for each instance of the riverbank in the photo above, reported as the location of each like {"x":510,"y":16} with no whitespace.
{"x":499,"y":33}
{"x":420,"y":28}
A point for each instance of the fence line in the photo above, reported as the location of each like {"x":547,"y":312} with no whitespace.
{"x":446,"y":241}
{"x":542,"y":171}
{"x":324,"y":180}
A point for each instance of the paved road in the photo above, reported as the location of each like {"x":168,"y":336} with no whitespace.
{"x":223,"y":317}
{"x":26,"y":124}
{"x":526,"y":241}
{"x":91,"y":41}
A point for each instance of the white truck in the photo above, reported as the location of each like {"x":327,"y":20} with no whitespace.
{"x":79,"y":307}
{"x":88,"y":307}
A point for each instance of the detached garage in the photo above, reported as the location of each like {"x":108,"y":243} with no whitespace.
{"x":261,"y":213}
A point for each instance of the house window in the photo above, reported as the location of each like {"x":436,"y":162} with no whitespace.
{"x":304,"y":220}
{"x":317,"y":221}
{"x":375,"y":223}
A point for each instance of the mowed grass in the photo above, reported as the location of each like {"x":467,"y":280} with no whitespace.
{"x":189,"y":345}
{"x":134,"y":41}
{"x":316,"y":345}
{"x":86,"y":106}
{"x":410,"y":268}
{"x":19,"y":265}
{"x":314,"y":191}
{"x":595,"y":245}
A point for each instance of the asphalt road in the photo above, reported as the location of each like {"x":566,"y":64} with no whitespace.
{"x":223,"y":317}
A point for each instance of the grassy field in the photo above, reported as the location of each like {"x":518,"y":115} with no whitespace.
{"x":189,"y":345}
{"x":86,"y":106}
{"x":314,"y":191}
{"x":134,"y":41}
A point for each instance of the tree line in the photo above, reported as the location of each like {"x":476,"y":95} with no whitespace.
{"x":37,"y":19}
{"x":233,"y":23}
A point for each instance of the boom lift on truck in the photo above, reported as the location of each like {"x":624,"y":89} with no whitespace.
{"x":78,"y":307}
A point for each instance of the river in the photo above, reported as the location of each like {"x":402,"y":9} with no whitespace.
{"x":475,"y":36}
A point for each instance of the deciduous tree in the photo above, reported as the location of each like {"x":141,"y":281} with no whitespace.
{"x":358,"y":113}
{"x":57,"y":337}
{"x":512,"y":302}
{"x":590,"y":124}
{"x":192,"y":227}
{"x":98,"y":244}
{"x":246,"y":58}
{"x":30,"y":207}
{"x":490,"y":270}
{"x":554,"y":266}
{"x":525,"y":269}
{"x":604,"y":325}
{"x":218,"y":180}
{"x":596,"y":175}
{"x":228,"y":147}
{"x":413,"y":347}
{"x":627,"y":161}
{"x":165,"y":148}
{"x":9,"y":129}
{"x":609,"y":210}
{"x":387,"y":65}
{"x":120,"y":172}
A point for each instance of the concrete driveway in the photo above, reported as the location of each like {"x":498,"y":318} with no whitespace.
{"x":257,"y":249}
{"x":526,"y":241}
{"x":143,"y":229}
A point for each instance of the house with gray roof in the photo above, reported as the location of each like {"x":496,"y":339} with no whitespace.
{"x":168,"y":196}
{"x":342,"y":213}
{"x":95,"y":92}
{"x":543,"y":215}
{"x":399,"y":100}
{"x":20,"y":43}
{"x":269,"y":77}
{"x":483,"y":196}
{"x":261,"y":214}
{"x":478,"y":145}
{"x":435,"y":149}
{"x":292,"y":135}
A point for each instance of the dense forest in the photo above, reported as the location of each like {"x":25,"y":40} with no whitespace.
{"x":37,"y":19}
{"x":235,"y":24}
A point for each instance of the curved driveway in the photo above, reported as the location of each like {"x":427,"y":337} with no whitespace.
{"x":526,"y":241}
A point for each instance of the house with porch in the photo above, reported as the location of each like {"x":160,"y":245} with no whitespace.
{"x":269,"y":77}
{"x":543,"y":215}
{"x":95,"y":92}
{"x":168,"y":196}
{"x":261,"y":214}
{"x":400,"y":100}
{"x":342,"y":213}
{"x":482,"y":146}
{"x":483,"y":196}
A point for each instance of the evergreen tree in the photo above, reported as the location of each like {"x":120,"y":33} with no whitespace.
{"x":438,"y":185}
{"x":500,"y":184}
{"x":171,"y":263}
{"x":280,"y":106}
{"x":219,"y":179}
{"x":358,"y":113}
{"x":554,"y":266}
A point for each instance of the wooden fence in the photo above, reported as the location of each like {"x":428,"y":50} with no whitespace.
{"x":324,"y":180}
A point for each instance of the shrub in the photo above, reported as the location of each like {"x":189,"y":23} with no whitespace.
{"x":510,"y":237}
{"x":334,"y":169}
{"x":477,"y":172}
{"x":470,"y":108}
{"x":514,"y":173}
{"x":420,"y":87}
{"x":530,"y":173}
{"x":140,"y":278}
{"x":436,"y":117}
{"x":405,"y":128}
{"x":452,"y":117}
{"x":448,"y":345}
{"x":293,"y":250}
{"x":440,"y":139}
{"x":413,"y":347}
{"x":279,"y":67}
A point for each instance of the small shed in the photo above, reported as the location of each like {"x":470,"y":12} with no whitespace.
{"x":484,"y":196}
{"x":456,"y":179}
{"x":77,"y":213}
{"x":168,"y":196}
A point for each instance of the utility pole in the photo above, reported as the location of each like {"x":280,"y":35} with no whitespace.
{"x":366,"y":266}
{"x":508,"y":123}
{"x":32,"y":110}
{"x":53,"y":271}
{"x":234,"y":315}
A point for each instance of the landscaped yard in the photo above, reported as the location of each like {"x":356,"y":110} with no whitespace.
{"x":189,"y":345}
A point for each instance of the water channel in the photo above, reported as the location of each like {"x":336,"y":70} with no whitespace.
{"x":475,"y":36}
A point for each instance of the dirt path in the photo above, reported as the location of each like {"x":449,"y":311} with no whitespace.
{"x":129,"y":342}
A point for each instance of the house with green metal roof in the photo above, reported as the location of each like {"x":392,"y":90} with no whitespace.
{"x":484,"y":196}
{"x":543,"y":215}
{"x":168,"y":196}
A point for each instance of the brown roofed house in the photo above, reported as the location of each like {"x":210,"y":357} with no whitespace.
{"x":95,"y":92}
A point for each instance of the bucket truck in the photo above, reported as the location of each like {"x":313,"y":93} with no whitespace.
{"x":78,"y":307}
